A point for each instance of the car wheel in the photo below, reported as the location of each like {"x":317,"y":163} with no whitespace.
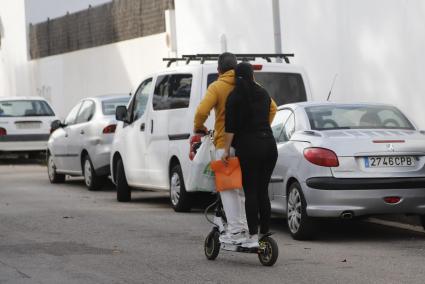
{"x":180,"y":198}
{"x":54,"y":177}
{"x":300,"y":225}
{"x":92,"y":181}
{"x":123,"y":190}
{"x":422,"y":217}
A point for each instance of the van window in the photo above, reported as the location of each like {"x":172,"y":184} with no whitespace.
{"x":138,"y":105}
{"x":284,"y":88}
{"x":172,"y":91}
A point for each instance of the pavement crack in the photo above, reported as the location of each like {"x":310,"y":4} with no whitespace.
{"x":22,"y":274}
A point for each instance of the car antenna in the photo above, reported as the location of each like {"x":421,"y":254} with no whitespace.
{"x":332,"y":86}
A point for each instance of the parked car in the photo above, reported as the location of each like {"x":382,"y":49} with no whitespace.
{"x":345,"y":161}
{"x":151,"y":143}
{"x":81,"y":145}
{"x":25,"y":124}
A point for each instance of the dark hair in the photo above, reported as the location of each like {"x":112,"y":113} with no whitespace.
{"x":244,"y":74}
{"x":226,"y":61}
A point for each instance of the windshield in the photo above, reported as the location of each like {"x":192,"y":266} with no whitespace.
{"x":284,"y":88}
{"x":24,"y":108}
{"x":109,"y":106}
{"x":356,"y":117}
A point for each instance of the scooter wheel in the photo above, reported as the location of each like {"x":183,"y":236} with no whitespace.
{"x":212,"y":245}
{"x":268,"y":252}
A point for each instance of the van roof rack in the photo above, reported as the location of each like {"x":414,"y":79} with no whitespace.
{"x":240,"y":56}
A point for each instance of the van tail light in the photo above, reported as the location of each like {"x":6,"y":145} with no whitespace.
{"x":321,"y":157}
{"x":257,"y":67}
{"x":3,"y":131}
{"x":109,"y":129}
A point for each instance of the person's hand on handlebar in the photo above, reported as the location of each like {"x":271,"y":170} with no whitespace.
{"x":203,"y":131}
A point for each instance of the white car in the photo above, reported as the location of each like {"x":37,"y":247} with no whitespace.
{"x":25,"y":124}
{"x":345,"y":161}
{"x":81,"y":145}
{"x":151,"y":144}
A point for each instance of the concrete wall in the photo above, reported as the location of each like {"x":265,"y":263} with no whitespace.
{"x":375,"y":46}
{"x":246,"y":24}
{"x":13,"y":49}
{"x":114,"y":68}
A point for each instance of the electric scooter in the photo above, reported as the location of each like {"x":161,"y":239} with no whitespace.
{"x":267,"y":252}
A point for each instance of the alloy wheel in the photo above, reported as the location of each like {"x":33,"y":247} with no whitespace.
{"x":294,"y":210}
{"x":87,"y":172}
{"x":175,"y":189}
{"x":51,"y":168}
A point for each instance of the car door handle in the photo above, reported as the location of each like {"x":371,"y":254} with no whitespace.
{"x":151,"y":126}
{"x":142,"y":127}
{"x":82,"y":132}
{"x":66,"y":135}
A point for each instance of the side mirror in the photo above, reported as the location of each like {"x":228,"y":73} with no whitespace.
{"x":121,"y":113}
{"x":56,"y":124}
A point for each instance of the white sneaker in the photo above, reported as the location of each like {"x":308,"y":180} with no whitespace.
{"x":233,"y":238}
{"x":251,"y":242}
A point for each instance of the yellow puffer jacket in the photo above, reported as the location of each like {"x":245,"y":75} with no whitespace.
{"x":216,"y":98}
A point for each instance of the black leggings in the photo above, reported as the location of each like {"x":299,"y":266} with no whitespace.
{"x":258,"y":158}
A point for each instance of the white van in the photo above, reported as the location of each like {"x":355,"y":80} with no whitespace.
{"x":151,"y":144}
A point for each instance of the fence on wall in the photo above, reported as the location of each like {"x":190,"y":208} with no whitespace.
{"x":108,"y":23}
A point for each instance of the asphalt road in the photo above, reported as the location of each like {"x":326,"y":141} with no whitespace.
{"x":65,"y":234}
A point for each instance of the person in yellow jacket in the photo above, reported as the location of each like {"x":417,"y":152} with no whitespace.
{"x":215,"y":98}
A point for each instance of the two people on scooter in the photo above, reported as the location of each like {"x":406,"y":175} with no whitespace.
{"x":233,"y":200}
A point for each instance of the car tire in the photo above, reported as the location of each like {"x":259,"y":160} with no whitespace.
{"x":91,"y":179}
{"x":123,"y":190}
{"x":300,"y":225}
{"x":422,"y":218}
{"x":54,"y":177}
{"x":180,"y":199}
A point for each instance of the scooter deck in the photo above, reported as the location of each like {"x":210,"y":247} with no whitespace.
{"x":238,"y":248}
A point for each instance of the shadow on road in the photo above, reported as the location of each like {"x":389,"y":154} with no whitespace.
{"x":335,"y":231}
{"x":13,"y":161}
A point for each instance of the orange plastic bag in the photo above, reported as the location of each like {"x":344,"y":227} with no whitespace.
{"x":227,"y":177}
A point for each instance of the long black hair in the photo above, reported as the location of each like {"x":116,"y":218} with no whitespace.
{"x":245,"y":84}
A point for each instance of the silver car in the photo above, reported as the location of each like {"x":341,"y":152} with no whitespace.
{"x":81,"y":145}
{"x":345,"y":161}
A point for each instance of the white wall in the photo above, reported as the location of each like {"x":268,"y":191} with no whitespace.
{"x":115,"y":68}
{"x":13,"y":49}
{"x":39,"y":10}
{"x":247,"y":25}
{"x":376,"y":47}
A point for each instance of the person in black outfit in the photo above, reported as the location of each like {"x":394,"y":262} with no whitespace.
{"x":249,"y":112}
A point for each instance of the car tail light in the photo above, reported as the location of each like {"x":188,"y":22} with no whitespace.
{"x":321,"y":157}
{"x":109,"y":129}
{"x":257,"y":67}
{"x":392,"y":199}
{"x":3,"y":131}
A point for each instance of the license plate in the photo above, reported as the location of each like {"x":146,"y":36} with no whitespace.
{"x":388,"y":162}
{"x":28,"y":125}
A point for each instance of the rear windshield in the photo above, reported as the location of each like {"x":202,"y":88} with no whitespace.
{"x":284,"y":88}
{"x":23,"y":108}
{"x":109,"y":106}
{"x":356,"y":117}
